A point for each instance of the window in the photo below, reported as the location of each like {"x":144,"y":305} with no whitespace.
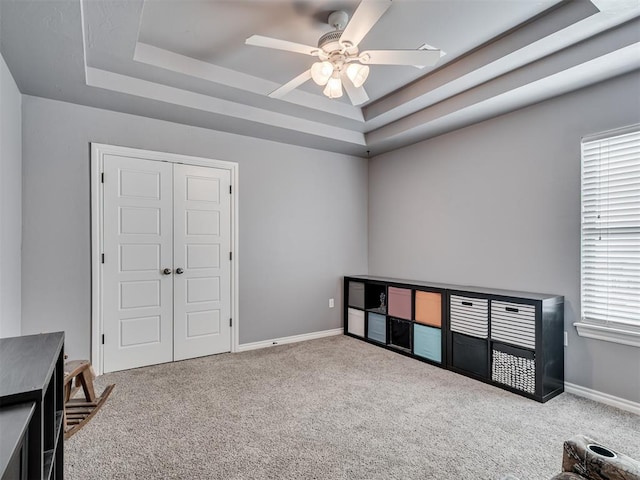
{"x":610,"y":246}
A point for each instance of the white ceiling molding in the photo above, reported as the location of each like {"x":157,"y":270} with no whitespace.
{"x":84,"y":39}
{"x":615,"y":5}
{"x":544,"y":47}
{"x":182,"y":64}
{"x":163,"y":93}
{"x":560,"y":17}
{"x":425,"y":124}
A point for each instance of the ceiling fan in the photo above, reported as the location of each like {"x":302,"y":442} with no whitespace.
{"x":340,"y":63}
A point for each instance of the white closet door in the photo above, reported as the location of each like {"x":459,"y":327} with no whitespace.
{"x":202,"y":244}
{"x":137,"y":295}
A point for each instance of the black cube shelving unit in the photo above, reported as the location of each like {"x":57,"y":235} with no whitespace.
{"x":509,"y":339}
{"x":31,"y":380}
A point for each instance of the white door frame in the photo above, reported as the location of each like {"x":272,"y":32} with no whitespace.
{"x":98,"y":151}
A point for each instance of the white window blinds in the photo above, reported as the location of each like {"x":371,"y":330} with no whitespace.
{"x":610,"y":269}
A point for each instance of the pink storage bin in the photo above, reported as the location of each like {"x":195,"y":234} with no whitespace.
{"x":400,"y":302}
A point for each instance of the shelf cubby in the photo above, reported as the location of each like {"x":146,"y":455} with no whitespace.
{"x":400,"y":333}
{"x":513,"y":366}
{"x":469,"y":354}
{"x":356,"y":295}
{"x":377,"y":327}
{"x":375,"y":298}
{"x":428,"y":309}
{"x":400,"y":303}
{"x":356,"y":322}
{"x":427,"y":342}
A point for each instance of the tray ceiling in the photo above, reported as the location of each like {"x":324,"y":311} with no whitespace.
{"x":187,"y":62}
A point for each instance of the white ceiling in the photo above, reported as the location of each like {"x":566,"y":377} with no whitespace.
{"x":186,"y":61}
{"x":214,"y":32}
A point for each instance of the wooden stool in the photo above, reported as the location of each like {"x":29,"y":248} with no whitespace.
{"x":78,"y":411}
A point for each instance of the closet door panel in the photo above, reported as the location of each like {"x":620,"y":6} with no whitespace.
{"x":202,"y":245}
{"x":138,"y":246}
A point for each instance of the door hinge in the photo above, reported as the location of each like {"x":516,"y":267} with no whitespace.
{"x":103,"y":338}
{"x":229,"y":189}
{"x":231,"y":322}
{"x":102,"y":258}
{"x":230,"y":255}
{"x":102,"y":177}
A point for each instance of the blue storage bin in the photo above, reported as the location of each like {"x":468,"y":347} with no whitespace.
{"x":427,"y":342}
{"x":377,"y":327}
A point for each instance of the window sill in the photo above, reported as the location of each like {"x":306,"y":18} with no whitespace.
{"x":617,"y":333}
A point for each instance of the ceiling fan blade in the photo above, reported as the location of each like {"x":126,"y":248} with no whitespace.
{"x":358,"y":96}
{"x":364,"y":18}
{"x":268,"y":42}
{"x":417,"y":58}
{"x":291,"y":85}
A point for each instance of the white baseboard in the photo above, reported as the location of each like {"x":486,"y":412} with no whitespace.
{"x":293,"y":339}
{"x":621,"y":403}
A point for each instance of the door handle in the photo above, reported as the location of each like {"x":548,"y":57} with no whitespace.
{"x":167,"y":271}
{"x":179,"y":271}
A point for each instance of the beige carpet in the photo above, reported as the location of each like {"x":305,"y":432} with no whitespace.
{"x":334,"y":408}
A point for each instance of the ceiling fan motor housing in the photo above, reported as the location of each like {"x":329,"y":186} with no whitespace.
{"x":330,"y":42}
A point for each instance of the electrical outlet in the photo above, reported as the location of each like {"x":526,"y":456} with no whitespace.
{"x":331,"y":303}
{"x":566,"y":339}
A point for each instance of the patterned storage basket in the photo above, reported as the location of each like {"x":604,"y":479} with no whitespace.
{"x":514,"y":371}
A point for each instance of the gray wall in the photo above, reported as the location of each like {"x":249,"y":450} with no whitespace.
{"x":10,"y":202}
{"x":303,"y":220}
{"x":497,"y":204}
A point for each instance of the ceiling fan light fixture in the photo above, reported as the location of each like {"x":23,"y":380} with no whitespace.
{"x":357,"y":74}
{"x":333,"y":88}
{"x":321,"y":72}
{"x":338,"y":57}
